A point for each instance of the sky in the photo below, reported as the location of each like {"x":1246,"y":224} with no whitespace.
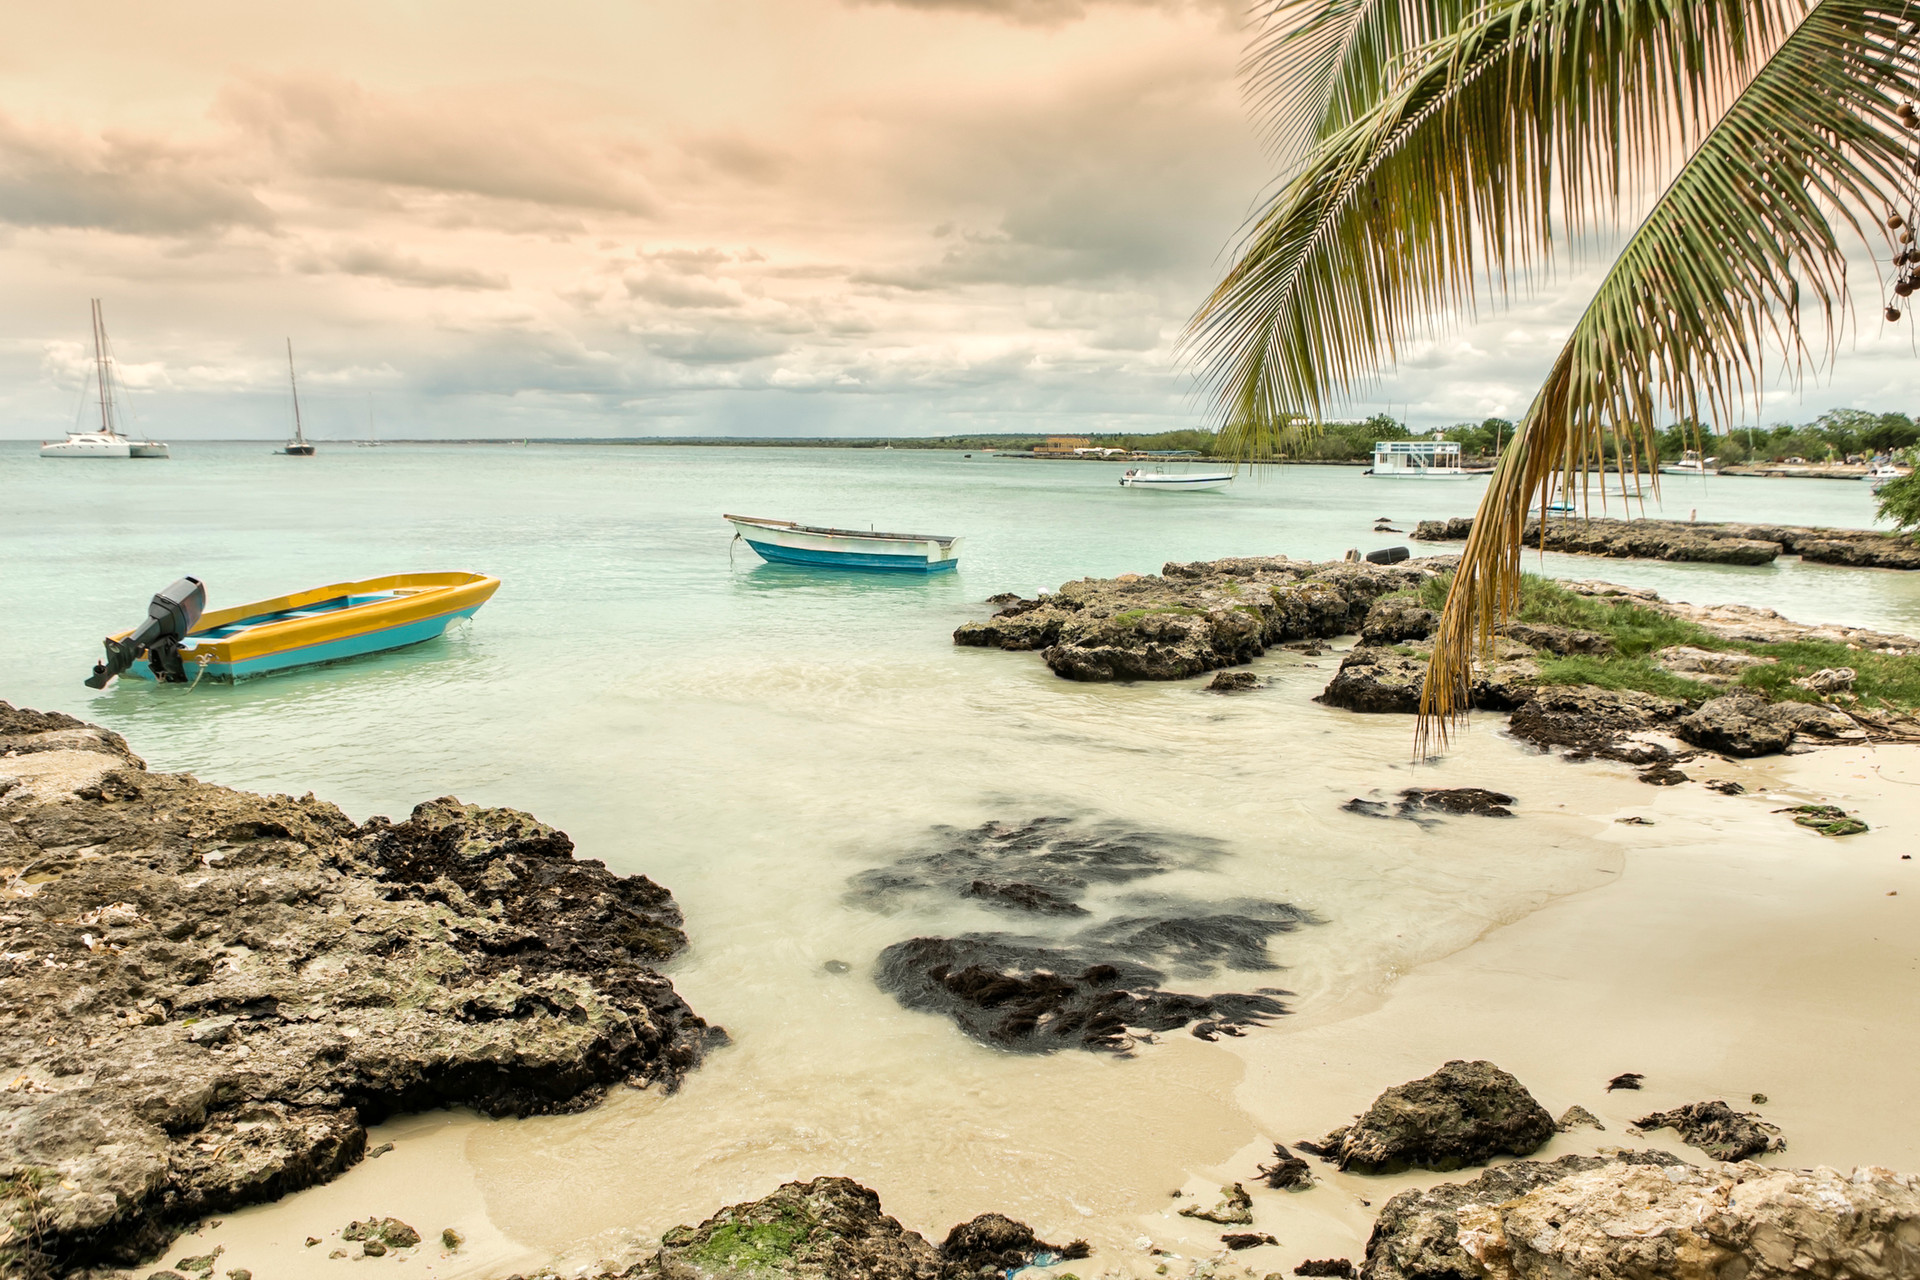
{"x":669,"y":218}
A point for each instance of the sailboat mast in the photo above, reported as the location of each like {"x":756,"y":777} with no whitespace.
{"x":299,"y":433}
{"x":100,"y":363}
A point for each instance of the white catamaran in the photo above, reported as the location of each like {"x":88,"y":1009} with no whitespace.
{"x":107,"y":442}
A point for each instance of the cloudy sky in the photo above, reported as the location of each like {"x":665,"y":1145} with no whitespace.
{"x":663,"y":217}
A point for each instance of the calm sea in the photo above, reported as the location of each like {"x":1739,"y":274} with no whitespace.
{"x":751,"y":736}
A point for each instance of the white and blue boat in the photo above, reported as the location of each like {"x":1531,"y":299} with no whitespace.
{"x":784,"y":542}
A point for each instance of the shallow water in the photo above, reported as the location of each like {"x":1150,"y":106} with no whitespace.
{"x":753,"y":736}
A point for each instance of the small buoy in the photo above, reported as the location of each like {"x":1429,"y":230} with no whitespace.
{"x":1893,"y":313}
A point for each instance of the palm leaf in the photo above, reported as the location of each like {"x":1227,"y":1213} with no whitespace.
{"x":1450,"y":181}
{"x":1314,"y":66}
{"x":1734,"y":258}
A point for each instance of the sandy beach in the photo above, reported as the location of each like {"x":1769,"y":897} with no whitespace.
{"x":1732,"y":954}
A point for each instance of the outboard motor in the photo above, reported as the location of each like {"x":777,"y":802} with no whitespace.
{"x":173,"y":613}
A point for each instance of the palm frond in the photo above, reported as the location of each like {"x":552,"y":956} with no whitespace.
{"x":1736,"y":258}
{"x":1451,"y":180}
{"x":1315,"y":66}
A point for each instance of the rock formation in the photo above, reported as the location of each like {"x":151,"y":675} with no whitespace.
{"x":1073,"y":976}
{"x":1638,"y":1217}
{"x":1463,"y":1114}
{"x":1419,"y":1234}
{"x":1717,"y":1129}
{"x":1702,"y":543}
{"x":211,"y":994}
{"x":834,"y":1229}
{"x":1192,"y":618}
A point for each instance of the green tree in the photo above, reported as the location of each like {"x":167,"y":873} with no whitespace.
{"x":1899,"y":501}
{"x":1890,"y":431}
{"x":1432,"y":149}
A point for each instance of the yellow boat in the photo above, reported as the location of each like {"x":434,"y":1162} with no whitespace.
{"x":327,"y":624}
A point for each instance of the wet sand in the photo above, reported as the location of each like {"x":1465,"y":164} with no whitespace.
{"x":1727,"y":952}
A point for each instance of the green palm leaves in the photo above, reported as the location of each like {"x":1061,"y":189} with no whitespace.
{"x":1442,"y":148}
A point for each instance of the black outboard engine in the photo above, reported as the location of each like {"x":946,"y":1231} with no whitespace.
{"x":173,"y":613}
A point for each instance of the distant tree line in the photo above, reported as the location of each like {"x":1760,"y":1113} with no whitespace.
{"x":1837,"y":435}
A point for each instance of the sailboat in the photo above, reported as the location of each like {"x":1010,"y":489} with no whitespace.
{"x":107,"y":442}
{"x":298,"y":446}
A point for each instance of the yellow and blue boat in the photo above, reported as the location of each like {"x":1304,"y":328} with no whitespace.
{"x":180,"y":641}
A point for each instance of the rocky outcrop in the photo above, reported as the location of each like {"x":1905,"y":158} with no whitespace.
{"x":1377,"y":681}
{"x":1191,"y":618}
{"x":1097,"y":980}
{"x":1397,"y":619}
{"x":1709,"y":666}
{"x":211,"y":994}
{"x":1703,"y":543}
{"x":1420,"y":1235}
{"x":1415,"y":802}
{"x":834,"y":1229}
{"x":1632,"y":1219}
{"x":1591,"y":719}
{"x":1636,"y":539}
{"x":1736,"y":724}
{"x":1023,"y":994}
{"x":1862,"y":550}
{"x":1463,"y":1114}
{"x":1717,"y":1129}
{"x":1752,"y":624}
{"x":1563,"y":641}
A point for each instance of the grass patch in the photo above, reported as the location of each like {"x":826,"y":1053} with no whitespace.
{"x":1638,"y":674}
{"x":1889,"y":679}
{"x":1634,"y":629}
{"x":1637,"y":632}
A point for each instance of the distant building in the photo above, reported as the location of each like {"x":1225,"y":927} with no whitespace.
{"x":1061,"y":446}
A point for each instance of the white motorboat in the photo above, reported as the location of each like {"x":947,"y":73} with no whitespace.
{"x":1158,"y":481}
{"x":1690,"y":464}
{"x":1418,"y":460}
{"x":814,"y":547}
{"x":107,"y":442}
{"x":1882,"y":473}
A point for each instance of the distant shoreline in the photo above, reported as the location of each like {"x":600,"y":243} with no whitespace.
{"x":996,"y":445}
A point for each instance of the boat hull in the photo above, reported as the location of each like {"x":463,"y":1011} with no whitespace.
{"x":328,"y":624}
{"x":147,"y":449}
{"x":791,"y":544}
{"x":1177,"y":484}
{"x":86,"y":447}
{"x":1436,"y":473}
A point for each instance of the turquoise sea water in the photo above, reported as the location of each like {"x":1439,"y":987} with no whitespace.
{"x":751,"y":735}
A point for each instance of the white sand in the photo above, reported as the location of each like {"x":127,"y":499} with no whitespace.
{"x":1736,"y":953}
